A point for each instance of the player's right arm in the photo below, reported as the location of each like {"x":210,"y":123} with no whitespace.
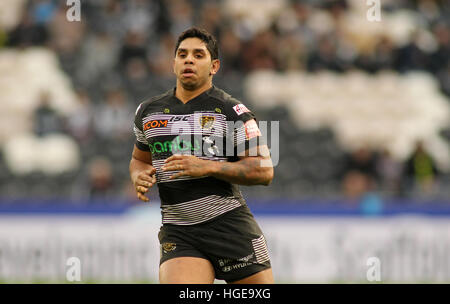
{"x":142,"y":172}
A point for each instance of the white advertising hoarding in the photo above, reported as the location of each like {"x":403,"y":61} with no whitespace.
{"x":303,"y":249}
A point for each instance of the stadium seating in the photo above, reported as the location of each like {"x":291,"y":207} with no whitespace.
{"x":333,"y":80}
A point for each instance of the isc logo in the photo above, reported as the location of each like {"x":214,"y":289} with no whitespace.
{"x":155,"y":124}
{"x":179,"y":118}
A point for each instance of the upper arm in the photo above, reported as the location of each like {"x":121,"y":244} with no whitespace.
{"x":141,"y":150}
{"x":248,"y":140}
{"x":252,"y":144}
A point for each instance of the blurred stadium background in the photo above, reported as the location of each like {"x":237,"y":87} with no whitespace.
{"x":364,"y":133}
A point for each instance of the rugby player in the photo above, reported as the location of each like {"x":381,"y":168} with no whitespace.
{"x":183,"y":146}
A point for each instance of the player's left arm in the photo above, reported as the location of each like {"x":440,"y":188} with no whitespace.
{"x":248,"y":170}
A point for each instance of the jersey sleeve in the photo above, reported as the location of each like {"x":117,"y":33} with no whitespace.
{"x":141,"y":141}
{"x":246,"y":133}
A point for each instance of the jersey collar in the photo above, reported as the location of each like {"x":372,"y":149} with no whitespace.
{"x":202,"y":96}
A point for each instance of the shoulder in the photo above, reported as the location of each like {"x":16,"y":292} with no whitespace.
{"x":223,"y":97}
{"x":233,"y":107}
{"x":155,"y":100}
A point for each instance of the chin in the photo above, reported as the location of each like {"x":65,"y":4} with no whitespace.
{"x":190,"y":85}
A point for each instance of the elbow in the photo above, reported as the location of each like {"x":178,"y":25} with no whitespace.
{"x":268,"y":177}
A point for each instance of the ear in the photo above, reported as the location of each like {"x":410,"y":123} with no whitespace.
{"x":215,"y":66}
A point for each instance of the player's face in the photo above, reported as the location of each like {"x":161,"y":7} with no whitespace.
{"x":193,"y":66}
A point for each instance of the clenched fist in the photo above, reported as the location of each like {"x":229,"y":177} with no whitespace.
{"x":143,"y":181}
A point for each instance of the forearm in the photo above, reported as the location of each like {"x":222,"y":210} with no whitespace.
{"x":247,"y":171}
{"x":137,"y":166}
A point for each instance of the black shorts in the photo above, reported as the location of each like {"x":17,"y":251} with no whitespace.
{"x":232,"y":242}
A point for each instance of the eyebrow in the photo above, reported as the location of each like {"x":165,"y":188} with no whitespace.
{"x":195,"y":50}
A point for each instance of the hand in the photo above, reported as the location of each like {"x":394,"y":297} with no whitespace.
{"x":188,"y":165}
{"x":142,"y":183}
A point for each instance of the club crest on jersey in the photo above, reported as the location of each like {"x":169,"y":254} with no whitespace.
{"x":155,"y":124}
{"x":240,"y":109}
{"x":168,"y":247}
{"x":206,"y":122}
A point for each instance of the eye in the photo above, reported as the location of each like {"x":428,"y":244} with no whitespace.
{"x":198,"y":55}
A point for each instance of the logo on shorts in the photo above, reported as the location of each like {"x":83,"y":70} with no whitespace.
{"x":166,"y":247}
{"x":206,"y":122}
{"x":226,"y":269}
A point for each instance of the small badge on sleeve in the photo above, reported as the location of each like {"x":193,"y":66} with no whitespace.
{"x":240,"y":109}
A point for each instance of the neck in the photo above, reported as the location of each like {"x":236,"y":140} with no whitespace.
{"x":185,"y":95}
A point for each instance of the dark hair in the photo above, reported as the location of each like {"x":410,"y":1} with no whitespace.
{"x":203,"y":35}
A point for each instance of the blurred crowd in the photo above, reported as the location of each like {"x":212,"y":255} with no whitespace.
{"x":122,"y":52}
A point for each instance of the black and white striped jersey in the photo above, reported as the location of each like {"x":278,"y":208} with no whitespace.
{"x":212,"y":126}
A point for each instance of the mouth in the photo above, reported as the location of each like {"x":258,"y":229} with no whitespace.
{"x":188,"y":72}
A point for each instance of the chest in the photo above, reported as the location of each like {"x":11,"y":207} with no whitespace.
{"x":160,"y":124}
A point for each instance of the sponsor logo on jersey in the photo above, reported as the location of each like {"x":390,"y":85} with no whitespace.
{"x":240,"y":109}
{"x":176,"y":145}
{"x":155,"y":124}
{"x":206,"y":122}
{"x":179,"y":118}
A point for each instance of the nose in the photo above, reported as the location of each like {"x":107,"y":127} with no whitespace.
{"x":189,"y":59}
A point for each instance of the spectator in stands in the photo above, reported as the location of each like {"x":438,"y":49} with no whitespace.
{"x":98,"y":57}
{"x":260,"y":52}
{"x":412,"y":56}
{"x":161,"y":56}
{"x":138,"y":37}
{"x":28,"y":33}
{"x":325,"y":56}
{"x":389,"y":171}
{"x":101,"y":183}
{"x":382,"y":57}
{"x":359,"y":176}
{"x":180,"y":14}
{"x":355,"y":184}
{"x":80,"y":124}
{"x":112,"y":117}
{"x":65,"y":36}
{"x":210,"y":18}
{"x":231,"y":48}
{"x":291,"y":54}
{"x":441,"y":58}
{"x":420,"y":171}
{"x":134,"y":47}
{"x":46,"y":119}
{"x":137,"y":78}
